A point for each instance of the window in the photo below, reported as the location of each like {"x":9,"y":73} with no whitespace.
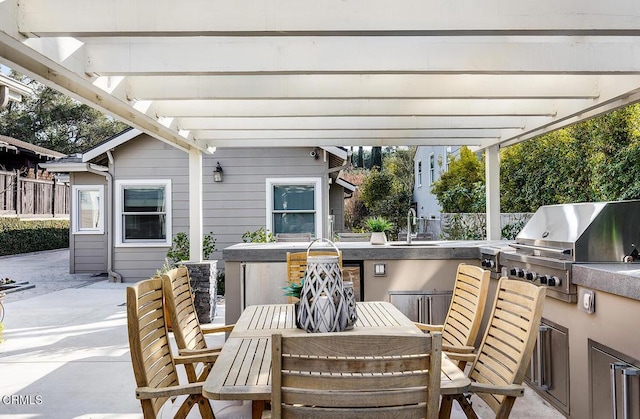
{"x":432,"y":168}
{"x":293,"y":206}
{"x":87,"y":209}
{"x":419,"y":175}
{"x":143,"y":213}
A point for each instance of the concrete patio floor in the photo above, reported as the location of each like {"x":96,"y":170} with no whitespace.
{"x":66,"y":353}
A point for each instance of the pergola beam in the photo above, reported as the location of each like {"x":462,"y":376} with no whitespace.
{"x":80,"y":18}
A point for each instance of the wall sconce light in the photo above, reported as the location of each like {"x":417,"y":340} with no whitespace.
{"x":217,"y":173}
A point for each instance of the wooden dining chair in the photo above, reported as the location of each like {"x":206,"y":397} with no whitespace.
{"x":187,"y":330}
{"x":466,"y":309}
{"x":154,"y":366}
{"x":333,"y":375}
{"x":499,"y":367}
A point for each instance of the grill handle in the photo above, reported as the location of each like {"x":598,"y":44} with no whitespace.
{"x":421,"y":318}
{"x":544,"y":249}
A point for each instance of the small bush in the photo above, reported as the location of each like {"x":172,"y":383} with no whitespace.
{"x":25,"y":236}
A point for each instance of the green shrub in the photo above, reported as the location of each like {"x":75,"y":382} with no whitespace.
{"x":259,"y":236}
{"x":25,"y":236}
{"x":179,"y":250}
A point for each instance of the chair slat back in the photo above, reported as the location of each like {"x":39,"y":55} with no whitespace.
{"x":184,"y":318}
{"x":329,"y":375}
{"x":509,"y":340}
{"x":151,"y":357}
{"x":463,"y":319}
{"x":297,"y":266}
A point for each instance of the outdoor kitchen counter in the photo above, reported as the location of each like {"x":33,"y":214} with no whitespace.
{"x":621,"y":279}
{"x":277,"y":252}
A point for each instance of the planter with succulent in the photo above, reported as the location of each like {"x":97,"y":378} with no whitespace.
{"x":378,"y":226}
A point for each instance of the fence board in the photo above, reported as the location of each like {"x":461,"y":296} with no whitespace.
{"x":24,"y":196}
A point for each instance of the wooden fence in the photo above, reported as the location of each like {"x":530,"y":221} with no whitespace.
{"x":20,"y":196}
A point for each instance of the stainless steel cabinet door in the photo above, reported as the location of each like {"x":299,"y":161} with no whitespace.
{"x":614,"y":384}
{"x":425,"y":307}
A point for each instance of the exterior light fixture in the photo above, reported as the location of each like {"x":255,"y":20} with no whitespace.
{"x":217,"y":173}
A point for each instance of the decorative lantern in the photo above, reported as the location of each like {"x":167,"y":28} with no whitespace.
{"x":323,"y":307}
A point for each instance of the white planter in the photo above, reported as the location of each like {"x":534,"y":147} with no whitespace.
{"x":378,"y":238}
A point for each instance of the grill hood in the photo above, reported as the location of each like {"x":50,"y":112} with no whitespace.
{"x":583,"y":232}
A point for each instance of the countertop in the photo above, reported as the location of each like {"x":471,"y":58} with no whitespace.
{"x":621,"y":279}
{"x":443,"y":249}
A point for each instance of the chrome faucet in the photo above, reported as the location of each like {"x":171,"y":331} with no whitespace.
{"x":410,"y":213}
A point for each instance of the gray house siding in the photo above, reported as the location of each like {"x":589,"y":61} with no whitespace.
{"x":230,"y":208}
{"x":148,"y":158}
{"x":238,"y":204}
{"x":336,"y":207}
{"x":87,"y":252}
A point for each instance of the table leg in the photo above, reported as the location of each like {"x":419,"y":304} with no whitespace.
{"x":257,"y":407}
{"x":445,"y":407}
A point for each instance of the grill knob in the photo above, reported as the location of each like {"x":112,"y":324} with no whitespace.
{"x":530,"y":276}
{"x":488,"y":263}
{"x":514,"y":271}
{"x":544,"y":279}
{"x":520,"y":273}
{"x":554,"y":281}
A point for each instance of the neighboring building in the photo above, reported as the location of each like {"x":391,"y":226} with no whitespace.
{"x":429,"y":163}
{"x":17,"y":155}
{"x":292,"y":189}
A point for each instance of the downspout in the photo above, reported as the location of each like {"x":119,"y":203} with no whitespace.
{"x":91,"y":169}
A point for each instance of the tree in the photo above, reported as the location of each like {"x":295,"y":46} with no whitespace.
{"x":54,"y":121}
{"x":595,"y":160}
{"x":376,"y":158}
{"x":462,"y":187}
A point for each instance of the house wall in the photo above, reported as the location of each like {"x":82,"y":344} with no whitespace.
{"x":148,"y":158}
{"x":87,"y":252}
{"x":230,"y":208}
{"x":427,"y":205}
{"x":238,"y":204}
{"x":336,"y":207}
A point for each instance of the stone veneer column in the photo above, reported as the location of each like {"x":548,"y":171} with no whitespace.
{"x":202,"y":276}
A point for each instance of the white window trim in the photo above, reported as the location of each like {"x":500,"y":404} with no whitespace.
{"x":118,"y":212}
{"x":75,"y":214}
{"x":316,"y":181}
{"x":432,"y":168}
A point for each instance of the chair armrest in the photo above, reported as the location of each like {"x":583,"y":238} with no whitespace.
{"x":429,"y":327}
{"x":458,"y":349}
{"x":201,"y":352}
{"x":191,"y":359}
{"x":513,"y":390}
{"x":143,"y":393}
{"x":461,"y":357}
{"x":216,"y":329}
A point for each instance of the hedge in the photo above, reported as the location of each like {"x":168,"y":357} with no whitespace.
{"x":24,"y":236}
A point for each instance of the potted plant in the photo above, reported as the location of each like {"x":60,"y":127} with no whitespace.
{"x":293,"y":289}
{"x":378,"y":226}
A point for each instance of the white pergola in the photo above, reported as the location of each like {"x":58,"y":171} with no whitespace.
{"x":247,"y":73}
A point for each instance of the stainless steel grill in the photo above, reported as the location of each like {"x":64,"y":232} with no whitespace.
{"x":557,"y":236}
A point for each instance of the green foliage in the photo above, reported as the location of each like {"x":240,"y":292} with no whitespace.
{"x":24,"y":236}
{"x":459,"y":226}
{"x":293,"y":289}
{"x":462,"y":187}
{"x":180,"y":248}
{"x":259,"y":236}
{"x":378,"y":224}
{"x":52,"y":120}
{"x":595,"y":160}
{"x":220,"y":282}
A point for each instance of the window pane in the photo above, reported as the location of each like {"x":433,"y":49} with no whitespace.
{"x":144,"y":226}
{"x":293,"y":197}
{"x":294,"y":223}
{"x":141,"y":199}
{"x":89,"y":209}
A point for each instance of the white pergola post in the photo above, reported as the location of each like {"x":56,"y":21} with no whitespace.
{"x":195,"y":205}
{"x":492,"y":174}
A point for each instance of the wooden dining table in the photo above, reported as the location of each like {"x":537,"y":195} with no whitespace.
{"x":243,"y":368}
